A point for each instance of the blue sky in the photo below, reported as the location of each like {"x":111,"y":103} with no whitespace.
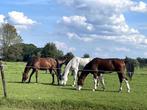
{"x":101,"y":28}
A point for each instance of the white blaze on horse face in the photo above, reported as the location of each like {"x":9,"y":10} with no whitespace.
{"x":128,"y":86}
{"x":79,"y":87}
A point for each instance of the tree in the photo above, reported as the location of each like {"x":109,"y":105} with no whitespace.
{"x":29,"y":50}
{"x":15,"y":53}
{"x":69,"y":55}
{"x":9,"y":36}
{"x":86,"y":55}
{"x":50,"y":50}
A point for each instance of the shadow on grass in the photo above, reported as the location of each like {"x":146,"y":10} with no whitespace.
{"x":19,"y":82}
{"x":49,"y":84}
{"x":86,"y":89}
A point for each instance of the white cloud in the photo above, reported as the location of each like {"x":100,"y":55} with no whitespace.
{"x":122,"y":49}
{"x":2,"y":19}
{"x":18,"y":18}
{"x":64,"y":46}
{"x":77,"y":22}
{"x":72,"y":35}
{"x":98,"y":49}
{"x":102,"y":19}
{"x":145,"y":54}
{"x":141,"y":7}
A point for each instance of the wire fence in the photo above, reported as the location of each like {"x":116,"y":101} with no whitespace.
{"x":3,"y":79}
{"x":5,"y":66}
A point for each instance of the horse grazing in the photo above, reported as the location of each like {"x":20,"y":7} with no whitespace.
{"x":100,"y":66}
{"x":74,"y":64}
{"x":37,"y":63}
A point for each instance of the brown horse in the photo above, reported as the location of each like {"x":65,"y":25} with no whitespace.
{"x":100,"y":66}
{"x":37,"y":63}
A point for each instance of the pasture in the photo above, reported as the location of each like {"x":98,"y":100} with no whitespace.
{"x":41,"y":96}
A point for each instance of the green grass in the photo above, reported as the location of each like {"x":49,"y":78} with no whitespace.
{"x":43,"y":96}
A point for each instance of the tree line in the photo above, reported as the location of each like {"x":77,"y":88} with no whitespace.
{"x":12,"y":48}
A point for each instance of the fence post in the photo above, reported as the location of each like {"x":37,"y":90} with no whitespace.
{"x":3,"y":79}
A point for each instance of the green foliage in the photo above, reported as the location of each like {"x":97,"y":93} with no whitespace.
{"x":15,"y":53}
{"x":86,"y":55}
{"x":50,"y":50}
{"x":29,"y":50}
{"x":43,"y":96}
{"x":9,"y":36}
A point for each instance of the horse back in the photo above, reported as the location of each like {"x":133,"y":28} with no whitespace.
{"x":42,"y":63}
{"x":108,"y":64}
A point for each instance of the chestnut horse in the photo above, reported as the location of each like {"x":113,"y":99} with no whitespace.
{"x":37,"y":63}
{"x":100,"y":66}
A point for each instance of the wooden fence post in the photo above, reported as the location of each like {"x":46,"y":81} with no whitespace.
{"x":3,"y":79}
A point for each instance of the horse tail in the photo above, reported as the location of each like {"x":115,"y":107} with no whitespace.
{"x":129,"y":68}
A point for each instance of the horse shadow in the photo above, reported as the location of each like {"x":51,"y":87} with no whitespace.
{"x":87,"y":89}
{"x":49,"y":84}
{"x":20,"y":82}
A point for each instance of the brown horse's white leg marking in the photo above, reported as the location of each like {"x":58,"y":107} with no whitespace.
{"x":79,"y":87}
{"x":120,"y":87}
{"x":95,"y":83}
{"x":128,"y":86}
{"x":102,"y":81}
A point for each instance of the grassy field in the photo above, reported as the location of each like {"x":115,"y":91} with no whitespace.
{"x":44,"y":96}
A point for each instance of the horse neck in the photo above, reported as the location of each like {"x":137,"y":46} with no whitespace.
{"x":67,"y":68}
{"x":27,"y":68}
{"x":82,"y":77}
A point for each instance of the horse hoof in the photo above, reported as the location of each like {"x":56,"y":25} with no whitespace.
{"x":93,"y":90}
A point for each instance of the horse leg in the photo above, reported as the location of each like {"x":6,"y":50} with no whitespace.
{"x":57,"y":76}
{"x":31,"y":75}
{"x":75,"y":77}
{"x":127,"y":84}
{"x":36,"y":76}
{"x":95,"y":81}
{"x":52,"y":76}
{"x":121,"y":79}
{"x":98,"y":81}
{"x":53,"y":79}
{"x":101,"y":79}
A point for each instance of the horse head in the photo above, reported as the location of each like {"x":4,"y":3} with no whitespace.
{"x":25,"y":73}
{"x":63,"y":80}
{"x":24,"y":77}
{"x":130,"y":68}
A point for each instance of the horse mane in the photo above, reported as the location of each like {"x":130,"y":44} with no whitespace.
{"x":31,"y":60}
